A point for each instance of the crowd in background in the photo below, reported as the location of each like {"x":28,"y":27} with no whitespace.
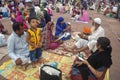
{"x":33,"y":31}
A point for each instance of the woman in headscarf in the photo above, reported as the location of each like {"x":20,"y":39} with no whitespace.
{"x":19,"y":18}
{"x":84,"y":17}
{"x":51,"y":42}
{"x":61,"y":27}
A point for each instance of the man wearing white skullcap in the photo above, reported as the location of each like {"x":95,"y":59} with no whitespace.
{"x":97,"y":20}
{"x":83,"y":40}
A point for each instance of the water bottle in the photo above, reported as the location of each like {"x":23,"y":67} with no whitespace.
{"x":54,"y":64}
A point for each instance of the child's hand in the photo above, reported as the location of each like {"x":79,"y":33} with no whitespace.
{"x":39,"y":45}
{"x":33,"y":45}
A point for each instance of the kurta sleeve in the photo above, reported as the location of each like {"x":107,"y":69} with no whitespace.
{"x":11,"y":49}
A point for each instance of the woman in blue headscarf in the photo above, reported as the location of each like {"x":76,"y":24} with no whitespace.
{"x":61,"y":28}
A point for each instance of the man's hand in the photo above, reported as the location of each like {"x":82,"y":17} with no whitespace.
{"x":81,"y":35}
{"x":67,"y":49}
{"x":75,"y":51}
{"x":18,"y":61}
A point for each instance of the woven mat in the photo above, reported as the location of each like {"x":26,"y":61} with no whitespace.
{"x":3,"y":52}
{"x":11,"y":72}
{"x":60,"y":50}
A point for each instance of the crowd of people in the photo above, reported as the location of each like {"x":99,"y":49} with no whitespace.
{"x":33,"y":32}
{"x":109,"y":8}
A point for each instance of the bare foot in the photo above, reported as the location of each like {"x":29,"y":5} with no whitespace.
{"x":25,"y":66}
{"x":68,"y":77}
{"x":33,"y":65}
{"x":66,"y":49}
{"x":41,"y":60}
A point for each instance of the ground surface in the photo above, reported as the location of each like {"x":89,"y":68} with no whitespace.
{"x":112,"y":31}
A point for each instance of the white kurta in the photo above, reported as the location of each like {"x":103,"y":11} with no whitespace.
{"x":92,"y":45}
{"x":94,"y":36}
{"x":18,"y":47}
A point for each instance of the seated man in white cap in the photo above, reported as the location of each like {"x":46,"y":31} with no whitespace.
{"x":82,"y":40}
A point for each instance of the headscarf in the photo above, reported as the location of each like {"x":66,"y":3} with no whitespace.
{"x":60,"y":19}
{"x":19,"y":17}
{"x":19,"y":13}
{"x":60,"y":27}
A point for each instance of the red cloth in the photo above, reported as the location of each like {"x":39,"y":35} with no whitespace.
{"x":0,"y":17}
{"x":25,"y":26}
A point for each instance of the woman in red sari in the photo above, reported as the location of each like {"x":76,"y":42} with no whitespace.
{"x":51,"y":41}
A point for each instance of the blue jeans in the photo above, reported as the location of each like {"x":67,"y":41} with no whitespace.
{"x":4,"y":14}
{"x":35,"y":54}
